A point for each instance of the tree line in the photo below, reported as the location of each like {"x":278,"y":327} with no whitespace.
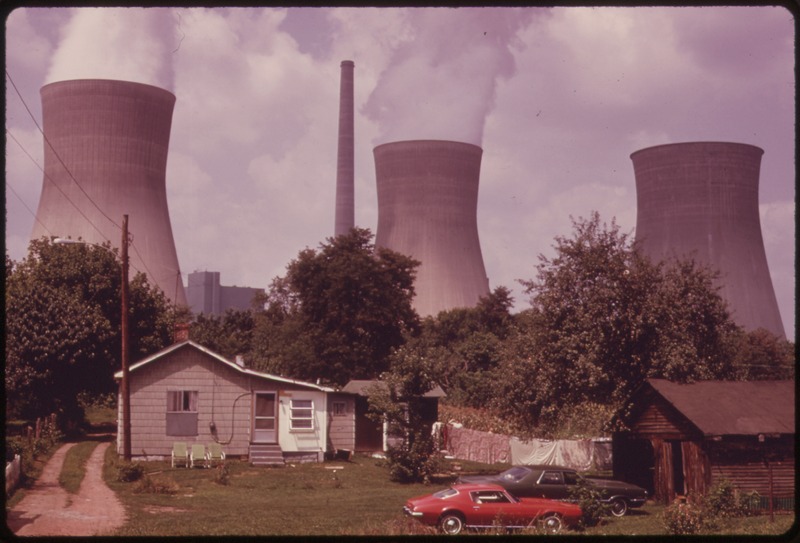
{"x":602,"y":319}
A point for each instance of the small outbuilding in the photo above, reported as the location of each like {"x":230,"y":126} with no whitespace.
{"x":373,"y":436}
{"x":187,"y":393}
{"x":681,"y":439}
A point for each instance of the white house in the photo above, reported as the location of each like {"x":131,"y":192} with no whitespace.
{"x":187,"y":393}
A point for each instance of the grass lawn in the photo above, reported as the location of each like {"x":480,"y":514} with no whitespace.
{"x":74,"y":468}
{"x":313,"y":499}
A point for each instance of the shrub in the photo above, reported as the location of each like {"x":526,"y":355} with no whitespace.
{"x":412,"y":464}
{"x":150,"y":485}
{"x":721,"y":501}
{"x":588,"y":499}
{"x":684,"y":519}
{"x":222,"y":475}
{"x":128,"y":472}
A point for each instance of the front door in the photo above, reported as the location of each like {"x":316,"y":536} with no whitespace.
{"x":264,"y":419}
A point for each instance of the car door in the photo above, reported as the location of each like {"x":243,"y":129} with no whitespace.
{"x":551,"y":485}
{"x":490,"y":507}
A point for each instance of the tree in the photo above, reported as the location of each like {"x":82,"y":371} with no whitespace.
{"x":341,"y":308}
{"x":398,"y":400}
{"x":63,"y":326}
{"x":603,"y":319}
{"x":229,"y":335}
{"x":761,"y":355}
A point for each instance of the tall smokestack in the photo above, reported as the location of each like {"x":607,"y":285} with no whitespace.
{"x":345,"y":191}
{"x":112,"y":137}
{"x":427,"y":209}
{"x":700,"y":199}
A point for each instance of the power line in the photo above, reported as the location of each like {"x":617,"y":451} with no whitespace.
{"x":78,"y":209}
{"x":47,"y":141}
{"x":9,"y":187}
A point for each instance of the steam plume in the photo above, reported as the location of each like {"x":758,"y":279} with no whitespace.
{"x":130,"y":44}
{"x":441,"y":81}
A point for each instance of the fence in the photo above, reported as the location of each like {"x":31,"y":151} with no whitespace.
{"x":13,"y":473}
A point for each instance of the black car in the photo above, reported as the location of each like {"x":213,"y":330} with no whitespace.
{"x":555,"y":482}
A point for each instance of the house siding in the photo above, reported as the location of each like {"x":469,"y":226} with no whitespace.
{"x":224,"y":398}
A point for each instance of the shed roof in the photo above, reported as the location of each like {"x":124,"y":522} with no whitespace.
{"x":191,"y":344}
{"x":359,"y":387}
{"x":719,"y":408}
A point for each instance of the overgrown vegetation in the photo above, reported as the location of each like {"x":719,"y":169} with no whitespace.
{"x":588,"y":497}
{"x":710,"y":513}
{"x":32,"y":450}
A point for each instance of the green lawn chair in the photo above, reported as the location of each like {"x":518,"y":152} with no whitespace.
{"x":180,"y":455}
{"x":198,"y":456}
{"x":214,"y":454}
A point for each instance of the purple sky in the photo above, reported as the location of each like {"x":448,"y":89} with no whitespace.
{"x":557,"y":97}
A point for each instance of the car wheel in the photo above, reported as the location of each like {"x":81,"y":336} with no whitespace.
{"x":451,"y":523}
{"x":619,"y":507}
{"x":551,"y":523}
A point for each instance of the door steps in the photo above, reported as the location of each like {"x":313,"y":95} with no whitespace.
{"x":265,"y":454}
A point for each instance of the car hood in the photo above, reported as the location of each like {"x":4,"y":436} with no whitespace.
{"x":480,"y":479}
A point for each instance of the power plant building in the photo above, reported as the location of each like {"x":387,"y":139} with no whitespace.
{"x":427,"y":209}
{"x":700,"y":200}
{"x":105,"y":156}
{"x":206,"y":295}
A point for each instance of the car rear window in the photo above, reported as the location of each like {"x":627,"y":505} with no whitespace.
{"x":446,"y":493}
{"x":514,"y":474}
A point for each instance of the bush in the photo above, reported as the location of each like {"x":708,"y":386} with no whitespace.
{"x":222,"y":475}
{"x":150,"y":485}
{"x":721,"y":501}
{"x":414,"y":463}
{"x":588,"y":499}
{"x":128,"y":472}
{"x":684,"y":519}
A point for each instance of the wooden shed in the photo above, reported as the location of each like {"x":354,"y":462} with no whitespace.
{"x":681,"y":439}
{"x":372,"y":436}
{"x":187,"y":393}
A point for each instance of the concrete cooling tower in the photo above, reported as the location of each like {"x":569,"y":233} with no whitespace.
{"x":700,"y":199}
{"x":106,"y":157}
{"x":427,"y":209}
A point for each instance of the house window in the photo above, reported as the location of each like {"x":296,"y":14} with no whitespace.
{"x":182,"y":400}
{"x":302,"y":415}
{"x":339,"y":409}
{"x":182,"y":413}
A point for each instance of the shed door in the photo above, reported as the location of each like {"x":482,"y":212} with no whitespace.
{"x":264,"y":419}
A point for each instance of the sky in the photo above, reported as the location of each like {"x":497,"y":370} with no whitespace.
{"x":558,"y":98}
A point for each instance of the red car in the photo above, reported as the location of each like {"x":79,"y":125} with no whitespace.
{"x":488,"y":506}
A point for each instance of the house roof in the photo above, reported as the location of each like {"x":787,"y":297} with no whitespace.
{"x":719,"y":408}
{"x":191,"y":344}
{"x":359,"y":387}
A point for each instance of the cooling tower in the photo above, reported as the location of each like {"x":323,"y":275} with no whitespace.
{"x":108,"y":158}
{"x":700,"y":199}
{"x":345,"y":171}
{"x":427,"y":209}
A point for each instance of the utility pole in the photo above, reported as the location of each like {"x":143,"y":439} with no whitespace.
{"x":125,"y":388}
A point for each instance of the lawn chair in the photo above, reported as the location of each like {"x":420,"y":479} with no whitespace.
{"x":198,"y":456}
{"x":215,"y":454}
{"x":180,"y":455}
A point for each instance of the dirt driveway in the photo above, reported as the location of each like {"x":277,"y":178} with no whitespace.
{"x":48,"y":510}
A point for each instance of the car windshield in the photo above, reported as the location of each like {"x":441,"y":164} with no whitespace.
{"x":514,"y":474}
{"x":446,"y":493}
